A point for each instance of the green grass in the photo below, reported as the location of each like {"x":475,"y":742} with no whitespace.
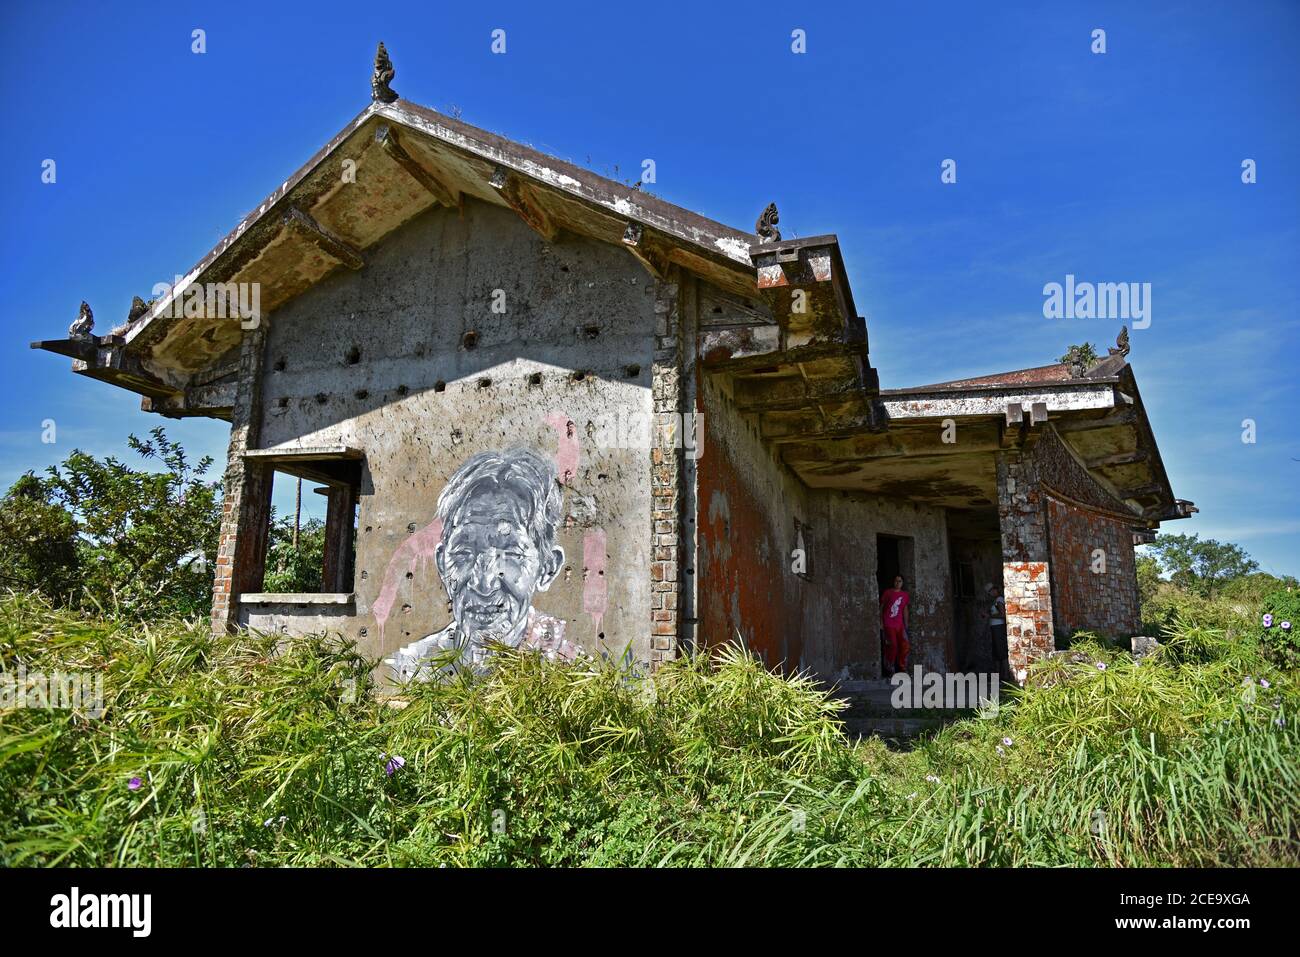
{"x":266,"y":752}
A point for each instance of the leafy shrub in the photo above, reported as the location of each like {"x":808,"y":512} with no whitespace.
{"x":291,"y":568}
{"x":101,"y":534}
{"x":1283,"y":643}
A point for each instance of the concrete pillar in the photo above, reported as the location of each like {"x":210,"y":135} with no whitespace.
{"x":246,"y":506}
{"x":1026,"y":562}
{"x":337,"y":576}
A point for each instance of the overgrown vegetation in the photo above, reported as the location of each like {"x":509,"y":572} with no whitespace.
{"x":249,"y":750}
{"x":256,"y":750}
{"x":102,"y":535}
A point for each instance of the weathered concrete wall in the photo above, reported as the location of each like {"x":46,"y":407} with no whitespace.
{"x":383,"y":360}
{"x":827,"y":621}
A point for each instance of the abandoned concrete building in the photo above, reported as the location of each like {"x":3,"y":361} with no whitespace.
{"x":449,"y":322}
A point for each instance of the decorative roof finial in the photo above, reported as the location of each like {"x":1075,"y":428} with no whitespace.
{"x":81,"y":326}
{"x":1121,"y":342}
{"x":138,"y":307}
{"x":380,"y":91}
{"x":766,"y":225}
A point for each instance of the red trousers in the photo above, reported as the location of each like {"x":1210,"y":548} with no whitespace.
{"x":896,"y":646}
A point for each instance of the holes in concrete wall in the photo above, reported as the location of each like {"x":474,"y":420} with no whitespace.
{"x":279,"y":364}
{"x":321,"y":398}
{"x":590,"y":332}
{"x":362,"y":393}
{"x":577,"y":375}
{"x":440,"y":386}
{"x":282,"y":402}
{"x":632,"y":371}
{"x":534,"y":378}
{"x":469,"y":340}
{"x":402,"y":390}
{"x":485,"y":383}
{"x":353,"y":356}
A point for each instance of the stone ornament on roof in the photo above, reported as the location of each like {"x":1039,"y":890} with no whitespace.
{"x":766,"y":225}
{"x":380,"y":91}
{"x":81,"y":326}
{"x":1121,"y":342}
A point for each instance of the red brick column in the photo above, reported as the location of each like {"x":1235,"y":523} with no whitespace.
{"x":1026,"y":562}
{"x":665,"y":478}
{"x":246,"y":505}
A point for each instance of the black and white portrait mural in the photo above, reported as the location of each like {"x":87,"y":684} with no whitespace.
{"x":496,"y":550}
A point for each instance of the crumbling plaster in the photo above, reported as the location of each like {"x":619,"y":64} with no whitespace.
{"x":827,"y":622}
{"x":379,"y":360}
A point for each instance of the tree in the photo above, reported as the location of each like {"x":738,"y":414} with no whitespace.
{"x":136,"y":542}
{"x":1201,"y":566}
{"x":299,"y":568}
{"x":1148,"y":577}
{"x":38,"y":542}
{"x":1081,"y":357}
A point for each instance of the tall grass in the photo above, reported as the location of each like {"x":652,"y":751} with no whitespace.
{"x":254,"y":750}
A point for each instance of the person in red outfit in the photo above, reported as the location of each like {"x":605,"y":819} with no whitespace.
{"x":893,"y":626}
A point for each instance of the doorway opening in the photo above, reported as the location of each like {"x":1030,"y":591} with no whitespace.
{"x":895,"y":555}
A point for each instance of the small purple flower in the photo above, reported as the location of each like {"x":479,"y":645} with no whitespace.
{"x":1001,"y":750}
{"x":395,"y":764}
{"x":1007,"y":742}
{"x":932,"y":779}
{"x":1268,"y":621}
{"x":1280,"y":723}
{"x":1263,"y":683}
{"x":134,"y":784}
{"x":1286,"y":626}
{"x":1101,"y":666}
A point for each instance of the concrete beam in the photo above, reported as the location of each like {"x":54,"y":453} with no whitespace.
{"x":525,"y":203}
{"x":1123,"y":417}
{"x":331,"y":245}
{"x":1121,"y":458}
{"x":386,"y":137}
{"x":637,"y":243}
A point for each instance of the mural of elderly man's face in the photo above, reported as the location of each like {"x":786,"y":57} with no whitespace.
{"x":491,"y":562}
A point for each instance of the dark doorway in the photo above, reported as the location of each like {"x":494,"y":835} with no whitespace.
{"x":893,"y":557}
{"x":975,"y":556}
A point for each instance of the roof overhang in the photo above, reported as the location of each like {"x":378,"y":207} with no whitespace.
{"x":1099,"y":418}
{"x":387,"y":165}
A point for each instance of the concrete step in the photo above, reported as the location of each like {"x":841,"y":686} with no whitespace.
{"x":892,"y":727}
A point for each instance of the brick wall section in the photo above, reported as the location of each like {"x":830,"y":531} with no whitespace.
{"x":666,"y":478}
{"x":1083,"y":517}
{"x":1102,"y":601}
{"x":1026,"y":557}
{"x":245,"y":509}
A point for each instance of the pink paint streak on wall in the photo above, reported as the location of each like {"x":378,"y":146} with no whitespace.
{"x":566,"y":458}
{"x":415,"y":551}
{"x":595,"y":590}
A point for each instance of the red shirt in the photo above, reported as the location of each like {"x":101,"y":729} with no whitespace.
{"x":892,"y":603}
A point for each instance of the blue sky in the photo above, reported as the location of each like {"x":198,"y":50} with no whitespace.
{"x":1115,"y":167}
